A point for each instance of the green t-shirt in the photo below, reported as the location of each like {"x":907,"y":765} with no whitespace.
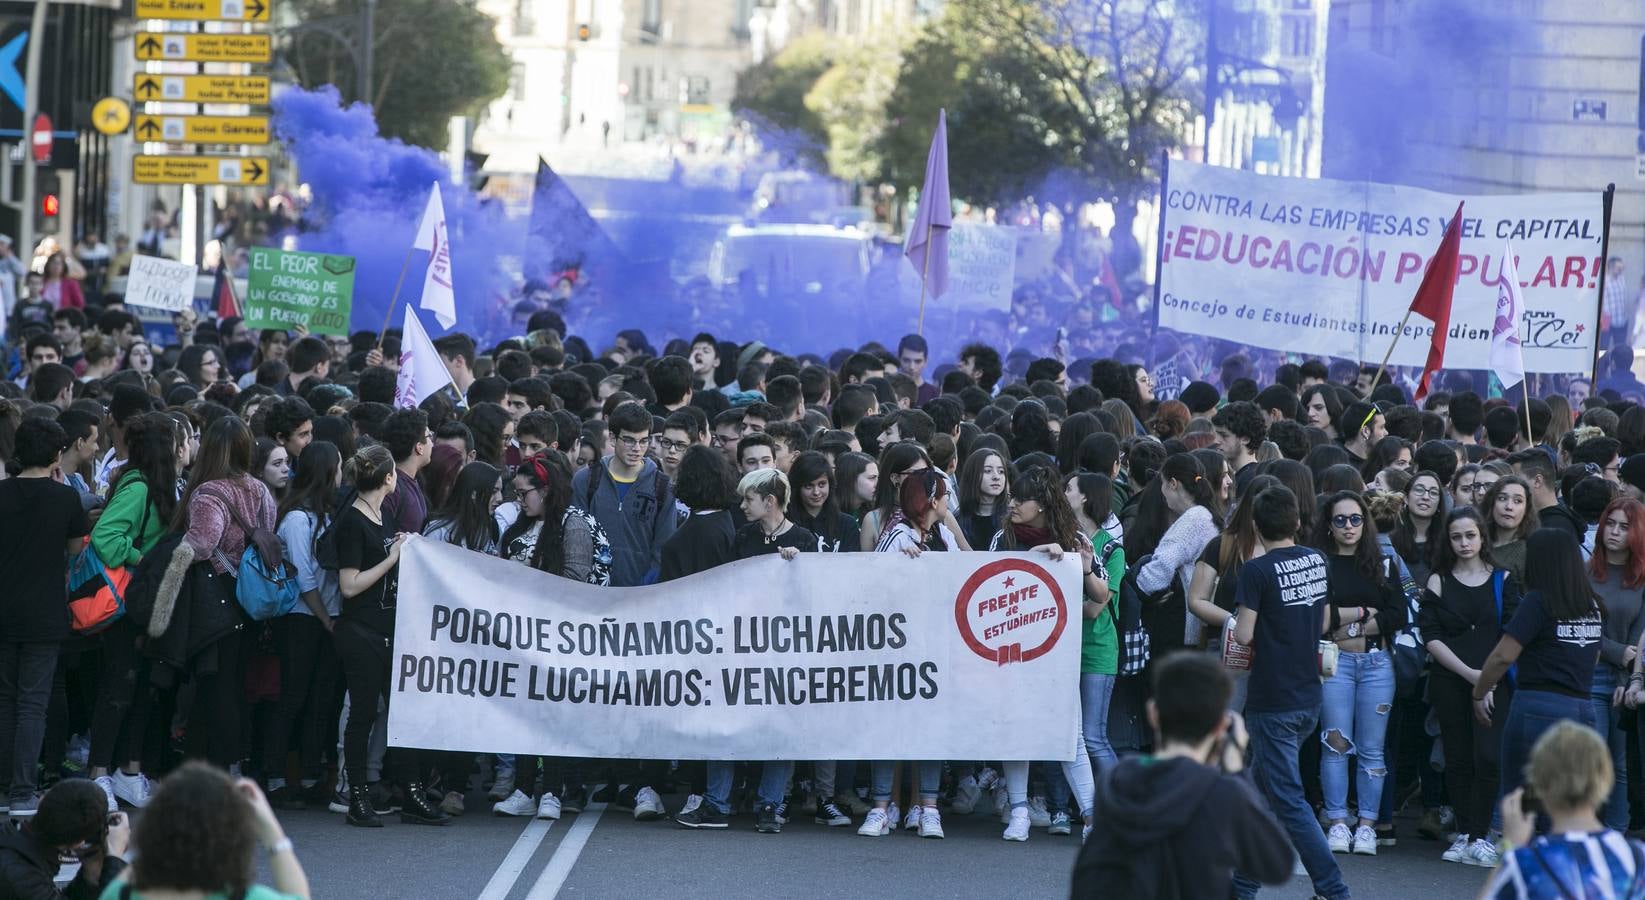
{"x":117,"y":891}
{"x":1099,"y":644}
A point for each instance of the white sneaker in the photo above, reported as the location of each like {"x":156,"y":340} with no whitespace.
{"x":1459,"y":850}
{"x":876,"y":824}
{"x":1484,"y":854}
{"x":1085,"y":834}
{"x":1018,"y":829}
{"x":1339,"y":837}
{"x":691,"y":803}
{"x":107,"y":784}
{"x":648,"y":806}
{"x":893,"y":816}
{"x":517,"y":804}
{"x":966,"y":795}
{"x":1365,"y":841}
{"x":503,"y":788}
{"x":548,"y":806}
{"x":987,"y":778}
{"x":930,"y":823}
{"x":913,"y":820}
{"x":1038,"y":815}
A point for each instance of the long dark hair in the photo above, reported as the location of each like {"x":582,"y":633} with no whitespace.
{"x":1527,"y":525}
{"x":467,"y":507}
{"x":971,"y":482}
{"x":1098,"y":490}
{"x":1239,"y":538}
{"x":486,"y":421}
{"x":848,"y":467}
{"x":313,"y":487}
{"x":1445,"y":557}
{"x":193,"y":355}
{"x":1553,"y":566}
{"x":1075,"y":429}
{"x":151,"y":457}
{"x":1043,"y":486}
{"x":897,"y":459}
{"x":1404,"y":534}
{"x":1154,"y":515}
{"x":551,"y":471}
{"x":806,"y":468}
{"x":1367,"y":552}
{"x":225,"y":452}
{"x":1300,"y":479}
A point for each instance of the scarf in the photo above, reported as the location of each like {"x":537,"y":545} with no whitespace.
{"x":1027,"y":536}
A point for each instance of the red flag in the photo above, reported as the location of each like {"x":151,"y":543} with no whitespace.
{"x":222,"y":291}
{"x":1433,"y":299}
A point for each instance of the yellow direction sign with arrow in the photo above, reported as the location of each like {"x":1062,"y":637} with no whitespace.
{"x":233,"y":10}
{"x":111,"y":115}
{"x":199,"y":170}
{"x":203,"y":129}
{"x":252,"y":89}
{"x":241,"y":48}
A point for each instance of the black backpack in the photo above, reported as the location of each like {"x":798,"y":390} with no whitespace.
{"x":325,"y":542}
{"x":1150,"y":624}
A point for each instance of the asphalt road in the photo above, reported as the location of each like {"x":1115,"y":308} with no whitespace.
{"x":604,"y":853}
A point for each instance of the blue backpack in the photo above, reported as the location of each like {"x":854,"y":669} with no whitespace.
{"x":266,"y":585}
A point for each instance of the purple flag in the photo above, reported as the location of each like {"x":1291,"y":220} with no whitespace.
{"x":926,"y":244}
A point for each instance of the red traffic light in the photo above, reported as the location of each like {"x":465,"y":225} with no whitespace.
{"x":584,"y":32}
{"x":48,"y":205}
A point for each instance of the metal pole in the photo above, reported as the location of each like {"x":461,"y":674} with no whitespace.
{"x":1604,"y":267}
{"x":31,"y":108}
{"x":1213,"y":78}
{"x":363,"y":59}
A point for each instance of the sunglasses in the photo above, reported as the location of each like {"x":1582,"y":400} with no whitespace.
{"x":1354,"y":520}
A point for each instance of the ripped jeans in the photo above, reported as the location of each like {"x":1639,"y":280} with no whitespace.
{"x":1358,"y":701}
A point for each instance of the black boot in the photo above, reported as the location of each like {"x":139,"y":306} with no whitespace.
{"x":360,"y":813}
{"x":418,"y":811}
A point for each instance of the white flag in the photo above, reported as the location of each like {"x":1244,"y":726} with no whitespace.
{"x":1507,"y":359}
{"x":438,"y":297}
{"x":422,"y":371}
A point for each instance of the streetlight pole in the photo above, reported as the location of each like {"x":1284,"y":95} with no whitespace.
{"x":368,"y":13}
{"x":31,"y":109}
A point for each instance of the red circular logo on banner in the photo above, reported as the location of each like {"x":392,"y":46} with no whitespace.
{"x":1010,"y":611}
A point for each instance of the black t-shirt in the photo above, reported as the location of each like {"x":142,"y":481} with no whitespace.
{"x":362,"y":544}
{"x":1561,"y":517}
{"x":702,"y":542}
{"x":1351,"y":588}
{"x":844,"y":537}
{"x":1465,"y":619}
{"x":751,"y":541}
{"x":1560,"y":654}
{"x":1223,"y":596}
{"x":1288,"y":588}
{"x":38,"y":517}
{"x":1243,"y":477}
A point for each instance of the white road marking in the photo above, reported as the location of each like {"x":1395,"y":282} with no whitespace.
{"x":519,"y":856}
{"x":565,"y":855}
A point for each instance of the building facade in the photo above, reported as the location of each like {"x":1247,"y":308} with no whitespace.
{"x":1269,"y":62}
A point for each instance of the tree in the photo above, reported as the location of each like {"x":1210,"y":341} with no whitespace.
{"x":849,"y":100}
{"x":432,"y":59}
{"x":772,"y":93}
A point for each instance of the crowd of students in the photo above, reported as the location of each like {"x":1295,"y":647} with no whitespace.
{"x":1382,"y":588}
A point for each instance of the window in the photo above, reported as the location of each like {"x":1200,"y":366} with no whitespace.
{"x":516,"y":82}
{"x":697,"y":90}
{"x":525,"y":22}
{"x":651,"y":17}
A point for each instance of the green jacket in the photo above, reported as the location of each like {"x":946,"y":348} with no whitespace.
{"x":113,"y":535}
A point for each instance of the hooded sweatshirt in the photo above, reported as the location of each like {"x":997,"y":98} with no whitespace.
{"x":637,"y":519}
{"x":1176,"y":828}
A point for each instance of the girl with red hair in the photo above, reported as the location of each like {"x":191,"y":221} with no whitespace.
{"x":1617,"y":573}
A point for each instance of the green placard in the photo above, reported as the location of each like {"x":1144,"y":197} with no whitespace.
{"x":286,"y":289}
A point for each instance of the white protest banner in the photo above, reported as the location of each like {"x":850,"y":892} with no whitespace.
{"x":160,"y":283}
{"x":1329,"y":267}
{"x":828,"y":656}
{"x":982,"y":263}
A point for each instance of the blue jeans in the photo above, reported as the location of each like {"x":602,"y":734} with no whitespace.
{"x":1358,"y":699}
{"x":1276,"y":742}
{"x":1529,"y":715}
{"x":773,"y":784}
{"x":1606,"y":719}
{"x":929,"y":774}
{"x":1095,"y":692}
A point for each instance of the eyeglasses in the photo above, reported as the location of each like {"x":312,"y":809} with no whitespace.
{"x":1426,"y":492}
{"x":1478,"y":487}
{"x":633,"y":443}
{"x":720,"y":440}
{"x":1354,"y":520}
{"x":668,"y":446}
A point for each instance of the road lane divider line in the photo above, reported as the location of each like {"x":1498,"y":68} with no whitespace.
{"x":519,"y":856}
{"x":565,"y":855}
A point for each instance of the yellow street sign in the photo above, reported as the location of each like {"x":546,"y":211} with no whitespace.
{"x":233,"y":10}
{"x":199,"y":170}
{"x":242,"y":48}
{"x":111,"y":115}
{"x":251,"y":89}
{"x":203,"y":129}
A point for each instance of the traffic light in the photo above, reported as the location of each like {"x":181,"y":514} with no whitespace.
{"x":584,"y":32}
{"x":48,"y":206}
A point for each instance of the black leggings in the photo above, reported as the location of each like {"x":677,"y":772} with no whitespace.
{"x":367,"y":658}
{"x":1473,"y":752}
{"x":120,"y":720}
{"x":308,"y":673}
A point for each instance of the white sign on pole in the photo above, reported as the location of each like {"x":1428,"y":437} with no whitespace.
{"x":970,"y":656}
{"x":1329,"y":267}
{"x":160,"y":283}
{"x":982,"y":264}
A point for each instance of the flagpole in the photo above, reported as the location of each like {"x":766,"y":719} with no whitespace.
{"x":1391,"y":345}
{"x":919,"y":328}
{"x":239,"y":308}
{"x":1525,"y":382}
{"x":398,"y":283}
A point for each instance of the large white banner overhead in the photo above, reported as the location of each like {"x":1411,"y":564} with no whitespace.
{"x":1329,"y":267}
{"x":829,"y":656}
